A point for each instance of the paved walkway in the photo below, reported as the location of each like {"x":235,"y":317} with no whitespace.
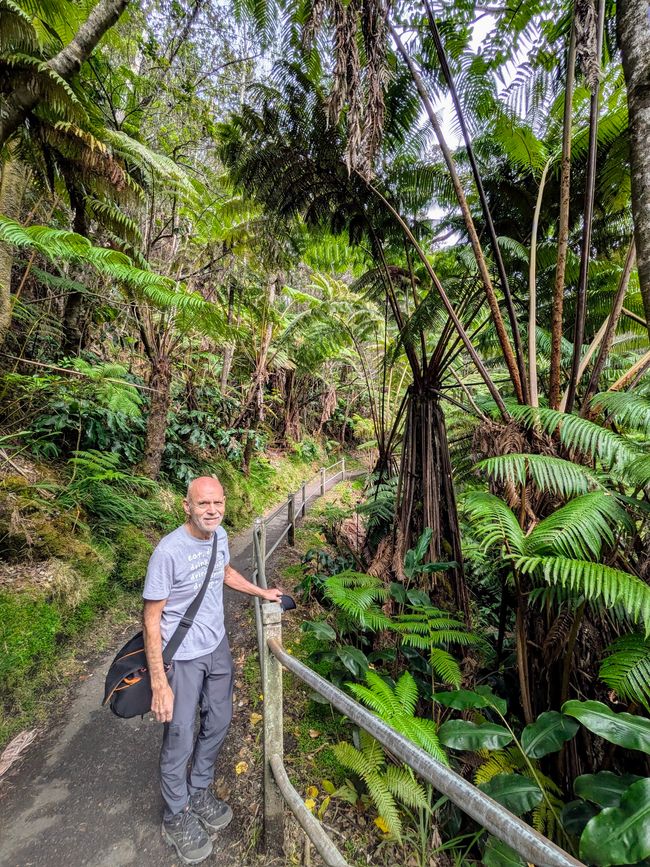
{"x":86,"y":794}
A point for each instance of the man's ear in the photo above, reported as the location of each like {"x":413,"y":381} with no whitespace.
{"x":186,"y":506}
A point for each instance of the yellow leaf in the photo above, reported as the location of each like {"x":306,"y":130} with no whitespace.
{"x":310,"y":804}
{"x":312,"y":792}
{"x":329,"y":786}
{"x":323,"y":807}
{"x":381,"y":823}
{"x":256,"y":718}
{"x":241,"y":767}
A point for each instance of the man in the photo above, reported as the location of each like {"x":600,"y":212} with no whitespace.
{"x":201,"y":674}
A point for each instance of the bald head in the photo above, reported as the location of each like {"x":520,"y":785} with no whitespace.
{"x":204,"y":506}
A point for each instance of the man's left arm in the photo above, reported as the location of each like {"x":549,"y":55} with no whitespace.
{"x":236,"y":581}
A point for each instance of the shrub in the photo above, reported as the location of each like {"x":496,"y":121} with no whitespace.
{"x":133,"y":550}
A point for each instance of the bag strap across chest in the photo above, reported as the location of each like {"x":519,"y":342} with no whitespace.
{"x":187,"y":619}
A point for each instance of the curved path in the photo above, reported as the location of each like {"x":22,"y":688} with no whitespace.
{"x":86,"y":794}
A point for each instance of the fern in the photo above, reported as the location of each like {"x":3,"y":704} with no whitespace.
{"x":492,"y":521}
{"x":577,"y":433}
{"x":629,"y":409}
{"x":595,"y":581}
{"x":627,"y":669}
{"x":577,"y":529}
{"x":548,"y":473}
{"x":386,"y":785}
{"x":357,"y":594}
{"x":396,"y":706}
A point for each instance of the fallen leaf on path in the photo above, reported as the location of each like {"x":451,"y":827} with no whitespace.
{"x":241,"y":767}
{"x":256,"y":718}
{"x":14,"y":748}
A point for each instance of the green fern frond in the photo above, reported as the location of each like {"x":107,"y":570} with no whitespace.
{"x":384,"y":802}
{"x":577,"y":433}
{"x":357,"y":594}
{"x":594,"y":581}
{"x":627,"y":669}
{"x":629,"y":409}
{"x":446,"y":667}
{"x":402,"y":785}
{"x":548,"y":473}
{"x":493,"y":521}
{"x":499,"y":762}
{"x":577,"y":529}
{"x":406,"y":693}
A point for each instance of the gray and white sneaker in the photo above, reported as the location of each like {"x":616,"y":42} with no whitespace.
{"x":212,"y":813}
{"x":184,"y":832}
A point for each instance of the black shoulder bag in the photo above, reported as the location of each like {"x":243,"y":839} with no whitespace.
{"x":128,"y":684}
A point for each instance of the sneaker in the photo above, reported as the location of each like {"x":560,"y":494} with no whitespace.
{"x":184,"y":832}
{"x":212,"y":813}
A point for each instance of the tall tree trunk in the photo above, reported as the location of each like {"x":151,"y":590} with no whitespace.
{"x":532,"y":293}
{"x":633,"y":21}
{"x":563,"y":230}
{"x":255,"y":395}
{"x":12,"y":190}
{"x":74,"y":313}
{"x":229,"y":348}
{"x":590,"y":193}
{"x":426,"y":493}
{"x":160,"y":380}
{"x":65,"y":64}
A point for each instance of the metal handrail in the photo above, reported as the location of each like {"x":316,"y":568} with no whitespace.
{"x":500,"y":822}
{"x":310,"y":825}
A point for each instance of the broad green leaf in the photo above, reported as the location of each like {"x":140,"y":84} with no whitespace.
{"x":499,"y":854}
{"x":353,"y":659}
{"x":624,"y":729}
{"x":493,"y":700}
{"x":461,"y":699}
{"x":320,"y":629}
{"x":517,"y":794}
{"x":575,"y":816}
{"x":605,"y":789}
{"x":620,"y":835}
{"x":547,"y":734}
{"x":459,"y":734}
{"x":418,"y":597}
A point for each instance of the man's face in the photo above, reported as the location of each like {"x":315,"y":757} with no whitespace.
{"x":204,"y":506}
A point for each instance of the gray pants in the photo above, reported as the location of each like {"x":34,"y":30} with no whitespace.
{"x":207,"y":682}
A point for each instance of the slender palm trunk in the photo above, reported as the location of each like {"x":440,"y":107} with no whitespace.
{"x":487,"y":215}
{"x":563,"y":230}
{"x":532,"y":293}
{"x":590,"y":192}
{"x":634,"y":38}
{"x":13,"y":182}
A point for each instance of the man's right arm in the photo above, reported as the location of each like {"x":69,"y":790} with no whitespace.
{"x":162,"y":697}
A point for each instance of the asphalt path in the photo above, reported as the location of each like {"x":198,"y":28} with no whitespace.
{"x":86,"y":793}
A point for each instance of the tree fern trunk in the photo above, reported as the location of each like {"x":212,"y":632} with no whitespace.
{"x":160,"y":380}
{"x":634,"y":39}
{"x":12,"y":189}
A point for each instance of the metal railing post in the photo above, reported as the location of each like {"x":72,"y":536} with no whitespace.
{"x":291,"y":517}
{"x":273,"y":734}
{"x":259,"y":578}
{"x":342,"y":469}
{"x":303,"y":508}
{"x":322,"y":481}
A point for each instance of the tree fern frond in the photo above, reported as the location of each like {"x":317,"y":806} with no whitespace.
{"x":594,"y":581}
{"x":577,"y":529}
{"x":628,"y":408}
{"x":627,"y":669}
{"x":406,"y":693}
{"x":493,"y":521}
{"x":402,"y":785}
{"x":446,"y":667}
{"x":548,"y":473}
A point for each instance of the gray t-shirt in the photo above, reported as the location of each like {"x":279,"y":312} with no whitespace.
{"x":176,"y":572}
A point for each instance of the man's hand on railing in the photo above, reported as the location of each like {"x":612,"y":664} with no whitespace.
{"x":271,"y":595}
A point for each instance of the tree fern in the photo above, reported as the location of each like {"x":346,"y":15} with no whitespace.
{"x":493,"y":522}
{"x":594,"y":581}
{"x":547,"y":473}
{"x":577,"y":529}
{"x":577,"y":433}
{"x":627,"y":669}
{"x":629,"y":409}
